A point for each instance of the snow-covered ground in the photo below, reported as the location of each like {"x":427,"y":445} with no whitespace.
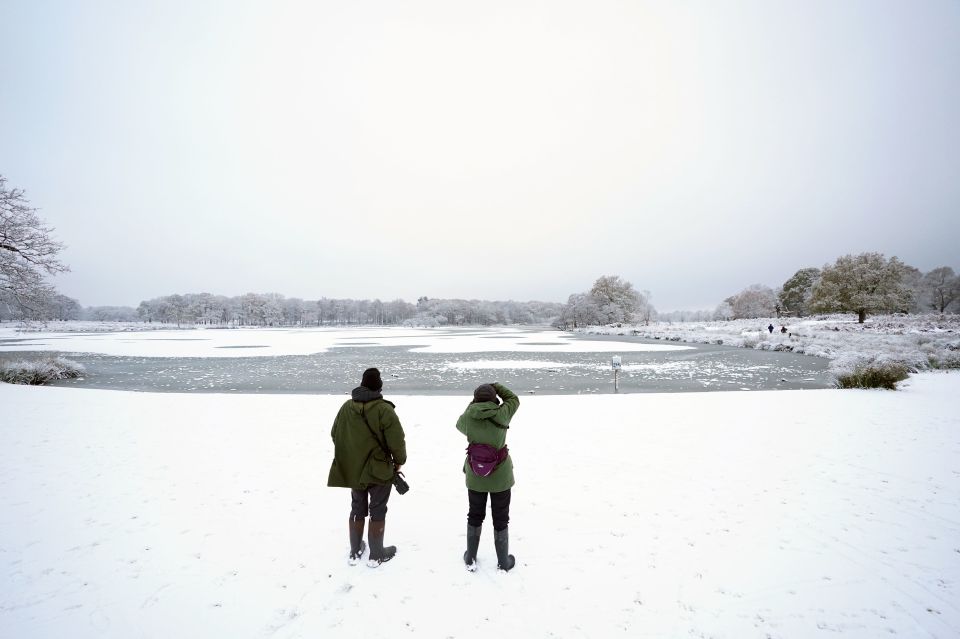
{"x":762,"y":514}
{"x":85,"y":326}
{"x":772,"y":513}
{"x":920,"y":341}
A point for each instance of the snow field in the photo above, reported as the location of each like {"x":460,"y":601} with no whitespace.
{"x":261,"y":342}
{"x":776,"y":513}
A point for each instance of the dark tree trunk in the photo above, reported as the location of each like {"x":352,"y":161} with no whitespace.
{"x":862,"y":315}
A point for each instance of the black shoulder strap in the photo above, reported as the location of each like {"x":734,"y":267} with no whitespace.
{"x":377,"y":439}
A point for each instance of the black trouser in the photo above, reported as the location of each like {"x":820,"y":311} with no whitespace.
{"x":499,"y":508}
{"x":377,"y":495}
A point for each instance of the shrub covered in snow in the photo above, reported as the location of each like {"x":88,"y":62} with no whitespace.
{"x":38,"y":372}
{"x":874,"y":375}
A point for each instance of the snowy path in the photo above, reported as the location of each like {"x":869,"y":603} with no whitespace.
{"x":782,"y":514}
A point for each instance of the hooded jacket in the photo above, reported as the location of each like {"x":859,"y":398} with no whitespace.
{"x":358,"y":460}
{"x":487,"y":423}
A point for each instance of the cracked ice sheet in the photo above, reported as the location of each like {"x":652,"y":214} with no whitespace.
{"x":781,"y":514}
{"x":512,"y":364}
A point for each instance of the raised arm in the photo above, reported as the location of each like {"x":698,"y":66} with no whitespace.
{"x":509,"y":406}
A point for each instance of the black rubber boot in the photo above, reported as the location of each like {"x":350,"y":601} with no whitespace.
{"x":357,"y":545}
{"x":378,"y":554}
{"x":501,"y":541}
{"x":473,"y":543}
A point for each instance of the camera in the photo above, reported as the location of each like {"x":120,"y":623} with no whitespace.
{"x":400,"y":483}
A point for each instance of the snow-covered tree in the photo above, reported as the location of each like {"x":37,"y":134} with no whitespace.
{"x":942,"y":288}
{"x":702,"y":315}
{"x":645,"y":311}
{"x":912,"y":279}
{"x":723,"y":312}
{"x":109,"y":314}
{"x":27,"y":253}
{"x":618,"y":301}
{"x":861,"y":284}
{"x":62,"y":307}
{"x":398,"y":311}
{"x":616,"y":298}
{"x":611,"y":300}
{"x":261,"y":309}
{"x":293,"y":311}
{"x":795,"y":294}
{"x":756,"y":300}
{"x":581,"y":310}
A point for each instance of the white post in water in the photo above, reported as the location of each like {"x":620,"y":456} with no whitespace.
{"x":616,"y":363}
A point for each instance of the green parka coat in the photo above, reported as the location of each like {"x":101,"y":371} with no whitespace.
{"x":358,"y":460}
{"x":487,"y":423}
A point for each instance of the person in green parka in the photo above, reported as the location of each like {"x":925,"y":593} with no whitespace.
{"x":365,"y":430}
{"x":488,"y":468}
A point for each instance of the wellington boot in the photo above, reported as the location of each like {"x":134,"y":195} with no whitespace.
{"x":473,"y":543}
{"x":501,"y":541}
{"x":357,"y":545}
{"x":378,"y":553}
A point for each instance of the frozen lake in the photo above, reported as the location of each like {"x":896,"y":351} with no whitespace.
{"x":412,"y":361}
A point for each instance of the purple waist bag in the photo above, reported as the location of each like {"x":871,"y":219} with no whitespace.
{"x":484,"y":458}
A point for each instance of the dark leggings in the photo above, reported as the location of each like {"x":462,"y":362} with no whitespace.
{"x":378,"y":496}
{"x":499,"y":508}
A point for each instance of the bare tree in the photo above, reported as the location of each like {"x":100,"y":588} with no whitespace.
{"x":943,"y":288}
{"x":756,"y":300}
{"x":27,"y":251}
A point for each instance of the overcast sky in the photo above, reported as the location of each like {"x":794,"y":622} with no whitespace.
{"x":494,"y":150}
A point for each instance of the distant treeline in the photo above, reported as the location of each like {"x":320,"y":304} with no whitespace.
{"x":864,"y":284}
{"x":274,"y":309}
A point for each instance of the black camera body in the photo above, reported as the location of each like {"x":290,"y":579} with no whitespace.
{"x":400,"y":483}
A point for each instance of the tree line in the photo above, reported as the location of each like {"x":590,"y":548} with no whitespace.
{"x":860,"y":284}
{"x":28,"y":253}
{"x":274,"y":309}
{"x":866,"y":283}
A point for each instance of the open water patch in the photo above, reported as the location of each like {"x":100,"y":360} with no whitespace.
{"x":245,"y":346}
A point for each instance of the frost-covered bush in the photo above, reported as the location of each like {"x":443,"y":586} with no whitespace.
{"x":944,"y":359}
{"x":874,"y":375}
{"x":751,"y":340}
{"x":39,"y":371}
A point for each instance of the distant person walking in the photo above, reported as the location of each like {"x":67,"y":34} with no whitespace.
{"x":783,"y":329}
{"x":770,"y":328}
{"x":488,"y":469}
{"x":366,"y":427}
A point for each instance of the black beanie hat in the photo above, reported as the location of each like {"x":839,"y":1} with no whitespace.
{"x":485,"y":393}
{"x":371,"y":379}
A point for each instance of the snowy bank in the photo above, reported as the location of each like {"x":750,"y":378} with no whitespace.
{"x":781,"y":514}
{"x":919,"y":341}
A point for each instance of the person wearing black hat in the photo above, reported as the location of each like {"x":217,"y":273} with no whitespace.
{"x":488,"y":469}
{"x":365,"y":430}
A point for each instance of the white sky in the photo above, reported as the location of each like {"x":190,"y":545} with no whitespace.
{"x":489,"y":150}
